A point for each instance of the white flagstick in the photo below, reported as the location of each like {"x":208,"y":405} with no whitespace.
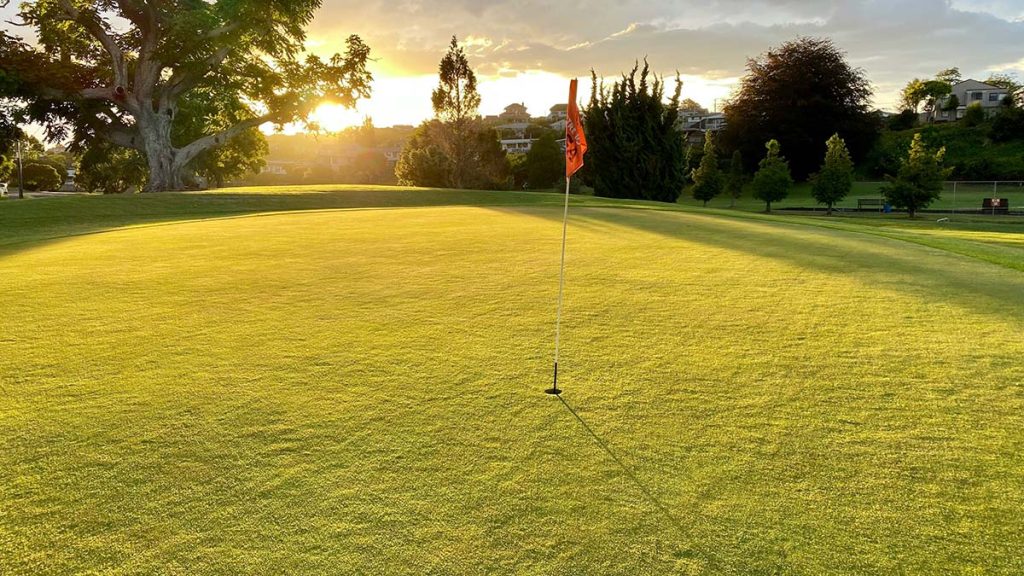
{"x":561,"y":289}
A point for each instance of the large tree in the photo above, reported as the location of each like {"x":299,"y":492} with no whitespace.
{"x":121,"y":70}
{"x":635,"y":150}
{"x":800,"y":94}
{"x":456,"y":103}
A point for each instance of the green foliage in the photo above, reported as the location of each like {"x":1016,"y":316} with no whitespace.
{"x":8,"y":168}
{"x":918,"y":182}
{"x":950,"y":76}
{"x":707,"y":178}
{"x":124,"y":72}
{"x":952,"y":103}
{"x":974,"y":116}
{"x":773,"y":179}
{"x":928,"y":92}
{"x":110,"y":169}
{"x":736,"y":178}
{"x":456,"y":98}
{"x":905,"y":120}
{"x":1008,"y":125}
{"x":1013,"y":86}
{"x":428,"y":158}
{"x":423,"y":162}
{"x":800,"y":94}
{"x":835,"y":180}
{"x":545,"y":163}
{"x":692,"y":159}
{"x":41,"y":177}
{"x":635,"y":150}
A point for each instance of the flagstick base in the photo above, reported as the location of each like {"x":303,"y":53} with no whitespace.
{"x":553,"y":392}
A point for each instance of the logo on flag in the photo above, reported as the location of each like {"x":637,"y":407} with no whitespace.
{"x":575,"y":139}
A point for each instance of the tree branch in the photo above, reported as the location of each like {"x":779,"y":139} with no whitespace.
{"x":94,"y":28}
{"x":187,"y":153}
{"x":184,"y":80}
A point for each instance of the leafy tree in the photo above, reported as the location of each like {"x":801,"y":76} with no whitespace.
{"x":974,"y":115}
{"x":456,"y":102}
{"x":928,"y":92}
{"x":1007,"y":125}
{"x":120,"y":71}
{"x":423,"y":162}
{"x":1012,"y":85}
{"x":772,"y":180}
{"x":835,"y":180}
{"x":707,"y":178}
{"x":544,"y":163}
{"x":41,"y":177}
{"x":634,"y":149}
{"x":905,"y":120}
{"x":800,"y":94}
{"x":490,"y":168}
{"x":735,"y":179}
{"x":110,"y":169}
{"x":950,"y":76}
{"x":918,"y":182}
{"x":952,"y":103}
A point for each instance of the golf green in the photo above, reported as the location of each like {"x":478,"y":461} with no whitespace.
{"x":360,"y":391}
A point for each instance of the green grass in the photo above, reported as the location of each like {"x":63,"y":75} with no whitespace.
{"x":359,"y":390}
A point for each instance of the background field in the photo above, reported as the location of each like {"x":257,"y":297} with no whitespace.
{"x":359,"y":390}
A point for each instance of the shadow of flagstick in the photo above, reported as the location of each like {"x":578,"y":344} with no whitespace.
{"x":629,"y":472}
{"x":683,"y":530}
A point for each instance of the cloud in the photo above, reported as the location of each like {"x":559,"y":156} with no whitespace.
{"x":893,"y":40}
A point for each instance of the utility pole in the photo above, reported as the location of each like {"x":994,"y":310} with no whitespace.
{"x":21,"y":174}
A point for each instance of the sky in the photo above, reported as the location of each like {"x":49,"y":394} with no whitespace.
{"x":526,"y":50}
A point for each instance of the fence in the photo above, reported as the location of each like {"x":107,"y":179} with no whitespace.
{"x":958,"y":197}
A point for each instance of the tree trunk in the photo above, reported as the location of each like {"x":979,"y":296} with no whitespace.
{"x":829,"y":212}
{"x":768,"y":207}
{"x":166,"y":171}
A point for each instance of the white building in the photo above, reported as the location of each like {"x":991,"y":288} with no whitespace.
{"x":969,"y":93}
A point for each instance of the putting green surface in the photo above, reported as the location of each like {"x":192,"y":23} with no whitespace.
{"x":361,"y":392}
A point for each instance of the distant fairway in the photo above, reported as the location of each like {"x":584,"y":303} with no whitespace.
{"x":360,"y":391}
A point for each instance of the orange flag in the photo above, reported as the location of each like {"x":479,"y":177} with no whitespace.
{"x":575,"y":139}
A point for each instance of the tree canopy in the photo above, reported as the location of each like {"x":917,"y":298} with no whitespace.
{"x":800,"y":94}
{"x":131,"y":72}
{"x":707,"y":178}
{"x":835,"y":180}
{"x":772,"y":179}
{"x":918,"y":182}
{"x":634,"y":149}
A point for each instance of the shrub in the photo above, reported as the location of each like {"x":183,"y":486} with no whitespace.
{"x":41,"y":177}
{"x":974,"y":115}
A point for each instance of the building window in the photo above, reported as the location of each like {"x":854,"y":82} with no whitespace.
{"x":995,"y":97}
{"x":975,"y":95}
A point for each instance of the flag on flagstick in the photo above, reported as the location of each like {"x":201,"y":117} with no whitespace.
{"x":575,"y":148}
{"x":575,"y":139}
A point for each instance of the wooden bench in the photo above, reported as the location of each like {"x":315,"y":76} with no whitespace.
{"x":870,"y":203}
{"x":996,"y":205}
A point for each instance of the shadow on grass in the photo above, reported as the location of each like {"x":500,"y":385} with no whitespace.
{"x":872,"y":260}
{"x":683,"y":531}
{"x":25,"y":223}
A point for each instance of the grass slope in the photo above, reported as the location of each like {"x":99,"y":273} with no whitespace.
{"x":360,"y":391}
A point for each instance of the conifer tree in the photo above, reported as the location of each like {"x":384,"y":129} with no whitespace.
{"x":772,"y":180}
{"x":707,"y":178}
{"x":735,"y":179}
{"x":918,"y":182}
{"x":635,"y":150}
{"x":835,"y":179}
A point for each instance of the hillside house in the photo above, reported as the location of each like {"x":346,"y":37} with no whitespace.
{"x":969,"y":93}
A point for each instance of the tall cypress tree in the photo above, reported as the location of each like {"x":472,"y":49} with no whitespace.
{"x":635,"y":150}
{"x":707,"y":178}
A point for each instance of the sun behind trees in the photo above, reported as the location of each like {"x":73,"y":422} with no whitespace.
{"x":175,"y":80}
{"x":454,"y":149}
